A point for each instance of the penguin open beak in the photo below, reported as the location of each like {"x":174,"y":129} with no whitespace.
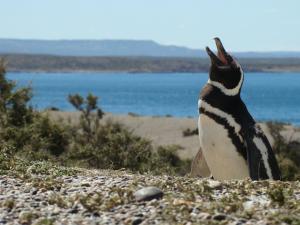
{"x":223,"y":58}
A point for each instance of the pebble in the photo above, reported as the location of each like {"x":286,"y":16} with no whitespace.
{"x":73,"y":210}
{"x":204,"y":216}
{"x":219,"y":217}
{"x":214,"y":184}
{"x":148,"y":193}
{"x":34,"y":191}
{"x":136,"y":221}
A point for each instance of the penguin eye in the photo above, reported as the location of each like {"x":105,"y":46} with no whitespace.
{"x":224,"y":67}
{"x":235,"y":64}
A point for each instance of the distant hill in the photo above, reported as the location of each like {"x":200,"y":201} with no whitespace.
{"x":50,"y":63}
{"x":116,"y":48}
{"x":96,"y":48}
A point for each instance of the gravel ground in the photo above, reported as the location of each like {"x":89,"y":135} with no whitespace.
{"x":108,"y":197}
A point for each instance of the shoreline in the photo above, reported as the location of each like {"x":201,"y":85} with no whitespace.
{"x":143,"y":72}
{"x":142,"y":64}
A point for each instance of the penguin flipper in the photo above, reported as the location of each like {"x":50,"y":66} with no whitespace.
{"x":254,"y":161}
{"x":199,"y":167}
{"x":262,"y":163}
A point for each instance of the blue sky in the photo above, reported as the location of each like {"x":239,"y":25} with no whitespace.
{"x":256,"y":25}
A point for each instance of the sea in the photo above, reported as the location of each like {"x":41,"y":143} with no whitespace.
{"x":268,"y":96}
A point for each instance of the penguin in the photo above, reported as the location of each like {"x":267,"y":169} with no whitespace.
{"x":232,"y":143}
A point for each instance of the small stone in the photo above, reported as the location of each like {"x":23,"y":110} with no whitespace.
{"x":34,"y":191}
{"x":148,"y":193}
{"x":249,"y":205}
{"x":85,"y":185}
{"x":73,"y":210}
{"x":204,"y":216}
{"x":34,"y":204}
{"x":87,"y":214}
{"x":181,"y":202}
{"x":214,"y":184}
{"x":241,"y":221}
{"x":219,"y":217}
{"x":136,"y":221}
{"x":96,"y":214}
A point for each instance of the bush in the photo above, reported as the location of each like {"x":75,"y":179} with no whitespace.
{"x":167,"y":161}
{"x":6,"y":157}
{"x":29,"y":135}
{"x":287,"y":152}
{"x":23,"y":128}
{"x":111,"y":146}
{"x":189,"y":132}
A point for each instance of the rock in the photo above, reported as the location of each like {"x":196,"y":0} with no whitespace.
{"x":85,"y":185}
{"x":214,"y":184}
{"x":204,"y":216}
{"x":249,"y":205}
{"x":34,"y":191}
{"x":241,"y":221}
{"x":73,"y":210}
{"x":96,"y":214}
{"x":136,"y":221}
{"x":148,"y":193}
{"x":219,"y":217}
{"x":34,"y":204}
{"x":181,"y":202}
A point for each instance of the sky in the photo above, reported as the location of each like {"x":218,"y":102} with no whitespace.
{"x":254,"y":25}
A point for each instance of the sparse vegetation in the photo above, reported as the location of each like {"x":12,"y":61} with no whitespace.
{"x":287,"y":152}
{"x":188,"y":132}
{"x":27,"y":135}
{"x":34,"y":148}
{"x":22,"y":128}
{"x":133,"y":114}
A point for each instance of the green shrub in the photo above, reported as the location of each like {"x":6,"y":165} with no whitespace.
{"x":167,"y":161}
{"x":23,"y":128}
{"x":287,"y":152}
{"x":28,"y":136}
{"x":6,"y":157}
{"x":110,"y":145}
{"x":189,"y":132}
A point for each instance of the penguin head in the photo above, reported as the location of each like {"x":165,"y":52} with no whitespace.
{"x":225,"y":72}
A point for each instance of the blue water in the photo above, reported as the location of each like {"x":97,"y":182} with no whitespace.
{"x":269,"y":96}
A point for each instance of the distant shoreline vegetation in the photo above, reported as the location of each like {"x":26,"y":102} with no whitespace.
{"x":134,"y":64}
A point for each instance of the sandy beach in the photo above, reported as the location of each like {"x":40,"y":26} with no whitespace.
{"x":168,"y":130}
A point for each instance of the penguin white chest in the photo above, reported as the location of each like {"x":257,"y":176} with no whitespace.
{"x":220,"y":153}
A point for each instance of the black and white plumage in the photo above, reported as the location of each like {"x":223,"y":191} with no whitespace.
{"x":233,"y":145}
